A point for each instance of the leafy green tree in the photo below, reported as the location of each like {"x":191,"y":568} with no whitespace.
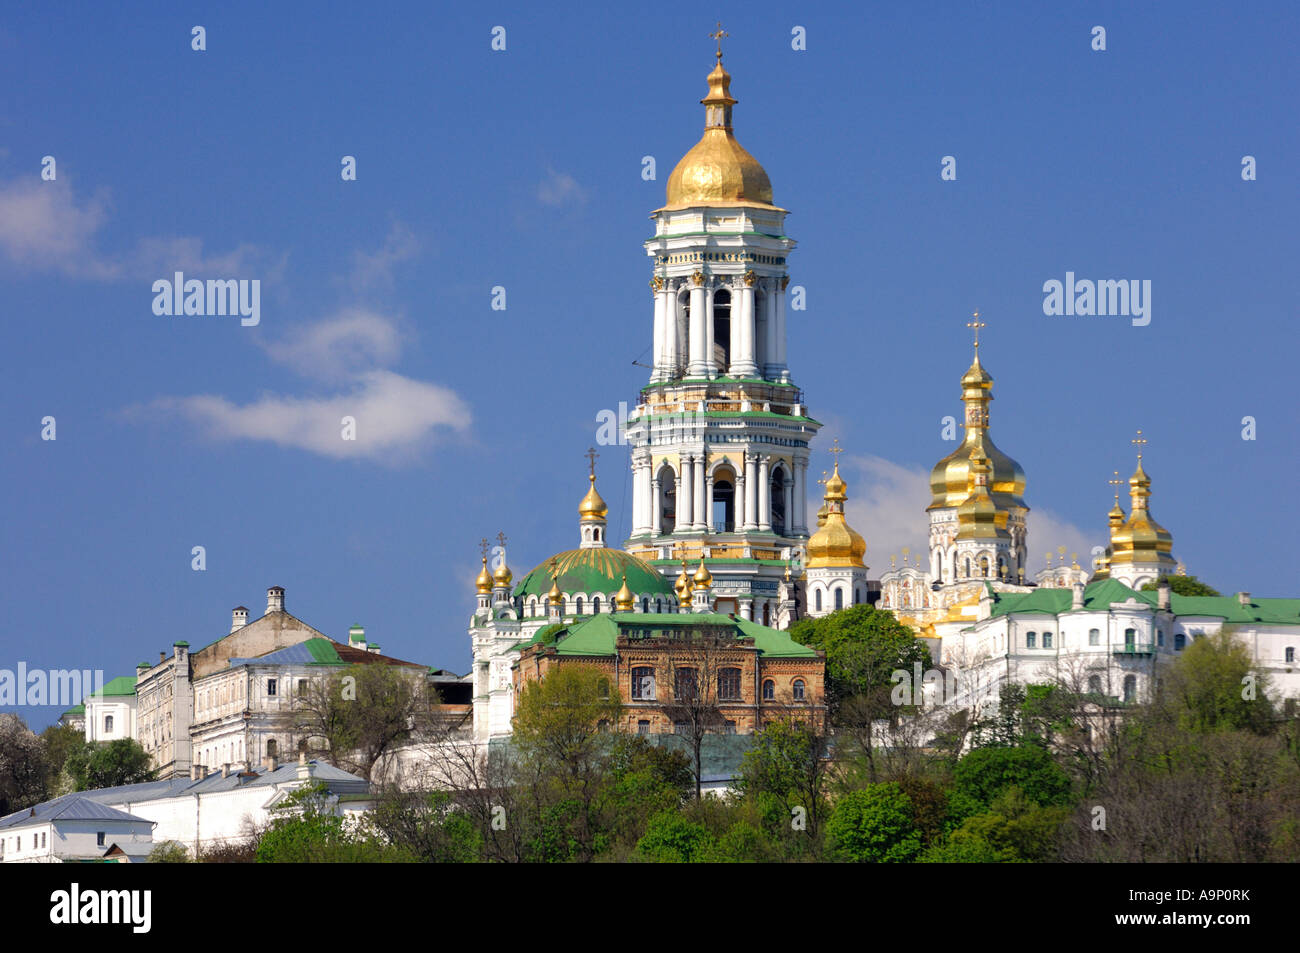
{"x":306,"y":830}
{"x":788,"y":763}
{"x":874,"y":825}
{"x":644,"y":780}
{"x":94,"y":765}
{"x":23,"y":768}
{"x":59,"y":741}
{"x":864,"y":646}
{"x":985,"y":773}
{"x":427,"y":825}
{"x":1215,"y":686}
{"x":672,"y":839}
{"x":169,"y":852}
{"x":1183,"y":586}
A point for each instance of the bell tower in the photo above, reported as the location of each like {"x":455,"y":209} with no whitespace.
{"x":720,"y":435}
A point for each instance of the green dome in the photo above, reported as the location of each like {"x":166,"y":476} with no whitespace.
{"x":596,"y":570}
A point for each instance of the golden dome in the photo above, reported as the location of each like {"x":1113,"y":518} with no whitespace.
{"x":950,"y":478}
{"x":683,"y":586}
{"x":623,"y":599}
{"x":717,"y":170}
{"x":978,"y":516}
{"x":592,"y":506}
{"x":835,"y":543}
{"x":1141,"y":539}
{"x":483,"y":584}
{"x":702,"y":578}
{"x":503,"y":575}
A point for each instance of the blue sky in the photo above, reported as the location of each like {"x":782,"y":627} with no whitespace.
{"x":522,"y":169}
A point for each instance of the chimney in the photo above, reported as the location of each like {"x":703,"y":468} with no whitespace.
{"x":304,"y":766}
{"x":275,"y":599}
{"x":200,"y":772}
{"x":162,"y":656}
{"x":141,"y":669}
{"x":1077,"y":601}
{"x":1162,"y":595}
{"x":270,"y":763}
{"x":1244,"y":599}
{"x":239,"y":618}
{"x":373,"y":648}
{"x":194,"y":772}
{"x":225,"y":770}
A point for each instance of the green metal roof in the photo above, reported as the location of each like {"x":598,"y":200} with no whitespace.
{"x":1107,"y":592}
{"x":598,"y":570}
{"x":122,"y":685}
{"x":596,"y":635}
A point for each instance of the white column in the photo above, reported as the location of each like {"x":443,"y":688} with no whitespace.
{"x":669,"y":347}
{"x":764,"y":495}
{"x":656,"y":504}
{"x":642,"y":496}
{"x":745,"y":366}
{"x":801,"y":497}
{"x":772,"y":367}
{"x":698,"y":366}
{"x":708,"y":502}
{"x":789,"y":502}
{"x":738,"y":499}
{"x":685,"y":495}
{"x":658,"y":346}
{"x":733,"y":368}
{"x":778,"y":297}
{"x":708,"y":332}
{"x":701,"y":515}
{"x":751,"y":494}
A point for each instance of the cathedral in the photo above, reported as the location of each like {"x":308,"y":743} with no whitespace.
{"x":720,"y":538}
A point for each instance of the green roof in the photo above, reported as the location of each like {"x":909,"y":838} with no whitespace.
{"x":323,"y":652}
{"x":1107,"y":592}
{"x":122,"y":685}
{"x":597,"y":571}
{"x":595,"y":635}
{"x":74,"y":710}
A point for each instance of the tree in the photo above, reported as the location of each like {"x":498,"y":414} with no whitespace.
{"x":94,"y":765}
{"x":169,"y":852}
{"x":788,"y":763}
{"x":1183,"y":586}
{"x":874,"y":825}
{"x":427,"y":825}
{"x":23,"y":768}
{"x":986,"y":772}
{"x":307,"y":829}
{"x":357,"y":715}
{"x":1214,"y":685}
{"x":561,"y":724}
{"x":60,"y":741}
{"x":693,"y":666}
{"x":672,"y":839}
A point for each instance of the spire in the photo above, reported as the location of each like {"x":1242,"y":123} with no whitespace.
{"x":1140,"y":540}
{"x":592,"y":511}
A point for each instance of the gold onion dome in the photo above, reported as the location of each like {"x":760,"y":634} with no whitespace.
{"x":592,"y":506}
{"x":978,"y":516}
{"x":950,"y":478}
{"x":503,"y":575}
{"x":836,"y":543}
{"x":623,"y":599}
{"x":483,"y":584}
{"x":683,"y":586}
{"x":556,"y":598}
{"x":717,"y":170}
{"x":702,"y":578}
{"x":1141,"y":539}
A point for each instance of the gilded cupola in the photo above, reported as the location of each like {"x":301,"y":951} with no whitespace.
{"x":717,"y":171}
{"x":978,"y":517}
{"x":624,"y":600}
{"x":836,"y":543}
{"x":950,"y":478}
{"x":483,"y":584}
{"x":1140,"y":539}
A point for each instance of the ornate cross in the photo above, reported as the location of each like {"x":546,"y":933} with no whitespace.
{"x":976,"y":324}
{"x":837,"y":449}
{"x":1139,"y":441}
{"x":719,"y":34}
{"x":483,"y":547}
{"x":501,"y":538}
{"x":1116,"y":482}
{"x":591,"y":456}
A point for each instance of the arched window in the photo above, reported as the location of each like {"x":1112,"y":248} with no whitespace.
{"x":1180,"y":641}
{"x":724,"y":503}
{"x":1290,"y":654}
{"x":1130,"y":688}
{"x":579,"y":603}
{"x":984,"y":566}
{"x":595,"y":605}
{"x":1047,"y":640}
{"x":667,"y":500}
{"x":729,"y":684}
{"x":817,"y":599}
{"x":857,"y":596}
{"x":1094,"y":684}
{"x":659,"y":604}
{"x":645,"y":604}
{"x":769,"y":690}
{"x":721,"y":355}
{"x":798,"y":689}
{"x":778,"y":502}
{"x":108,"y":724}
{"x":270,"y":748}
{"x":1130,"y":640}
{"x":839,"y":598}
{"x":643,"y":727}
{"x":643,"y":684}
{"x":1094,"y":637}
{"x":967,"y":567}
{"x":686,"y":684}
{"x":1031,"y":640}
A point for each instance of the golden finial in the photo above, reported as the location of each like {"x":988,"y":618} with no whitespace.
{"x":837,"y":450}
{"x":976,"y":323}
{"x":483,"y":547}
{"x":1139,"y":441}
{"x":1049,"y":559}
{"x":892,"y":560}
{"x":719,"y":34}
{"x":591,"y":456}
{"x":1116,"y":482}
{"x":1074,"y":560}
{"x":1060,"y":551}
{"x":501,"y":538}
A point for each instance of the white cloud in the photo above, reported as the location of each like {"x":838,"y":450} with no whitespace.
{"x":45,"y":227}
{"x":887,"y":504}
{"x":395,"y":417}
{"x":350,"y":342}
{"x":375,"y":269}
{"x":560,"y":188}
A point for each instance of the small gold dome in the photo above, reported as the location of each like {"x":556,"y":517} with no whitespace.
{"x":835,"y":543}
{"x":624,"y":599}
{"x":978,"y":517}
{"x":483,"y":584}
{"x":503,"y":575}
{"x":702,"y":578}
{"x":592,"y":506}
{"x":555,"y":597}
{"x":683,"y":586}
{"x":718,"y":170}
{"x":1141,"y":539}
